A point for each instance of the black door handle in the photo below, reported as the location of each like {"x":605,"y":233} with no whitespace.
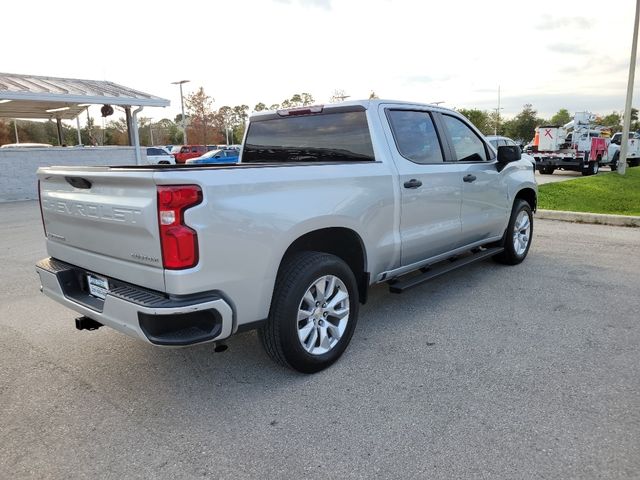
{"x":413,"y":183}
{"x":469,"y":178}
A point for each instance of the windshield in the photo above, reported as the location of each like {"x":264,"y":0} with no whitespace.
{"x":212,"y":154}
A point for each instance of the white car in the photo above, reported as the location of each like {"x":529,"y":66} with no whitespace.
{"x":499,"y":141}
{"x":159,"y":156}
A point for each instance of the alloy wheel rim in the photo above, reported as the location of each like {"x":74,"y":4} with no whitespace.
{"x":323,"y":315}
{"x":521,"y":233}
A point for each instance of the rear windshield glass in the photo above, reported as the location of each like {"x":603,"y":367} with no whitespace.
{"x":330,"y":137}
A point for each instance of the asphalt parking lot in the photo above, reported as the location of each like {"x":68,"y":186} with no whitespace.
{"x":498,"y":372}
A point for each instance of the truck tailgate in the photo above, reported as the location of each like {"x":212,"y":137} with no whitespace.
{"x":104,"y":220}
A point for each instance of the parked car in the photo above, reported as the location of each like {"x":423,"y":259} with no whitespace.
{"x":26,"y":145}
{"x":499,"y":141}
{"x":159,"y":156}
{"x":217,"y":156}
{"x":325,"y":202}
{"x":192,"y":151}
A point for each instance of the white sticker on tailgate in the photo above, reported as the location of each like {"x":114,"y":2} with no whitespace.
{"x":98,"y":286}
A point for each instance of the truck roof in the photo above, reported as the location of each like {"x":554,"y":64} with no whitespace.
{"x":366,"y":104}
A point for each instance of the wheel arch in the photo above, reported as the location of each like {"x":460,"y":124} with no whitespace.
{"x":342,"y":242}
{"x":528,"y":195}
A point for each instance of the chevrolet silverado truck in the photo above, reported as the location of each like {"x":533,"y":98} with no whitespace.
{"x":324,"y":202}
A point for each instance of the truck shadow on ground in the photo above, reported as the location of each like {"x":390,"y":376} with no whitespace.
{"x":387,"y":323}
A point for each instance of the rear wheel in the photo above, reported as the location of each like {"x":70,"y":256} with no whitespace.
{"x":614,"y":162}
{"x":634,"y":162}
{"x":547,"y":170}
{"x":586,"y":168}
{"x":313,"y":313}
{"x":517,"y":238}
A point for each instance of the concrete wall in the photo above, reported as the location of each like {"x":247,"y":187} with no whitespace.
{"x":18,"y":166}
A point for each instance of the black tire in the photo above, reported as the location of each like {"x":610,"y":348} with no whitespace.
{"x":634,"y":162}
{"x":614,"y":162}
{"x":547,"y":170}
{"x":509,"y":256}
{"x":279,"y":336}
{"x":586,"y":171}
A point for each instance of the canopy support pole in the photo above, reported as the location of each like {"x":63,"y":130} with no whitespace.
{"x":130,"y":130}
{"x":136,"y":136}
{"x":59,"y":125}
{"x":78,"y":128}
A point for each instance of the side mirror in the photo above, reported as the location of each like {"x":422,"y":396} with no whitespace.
{"x":508,"y":154}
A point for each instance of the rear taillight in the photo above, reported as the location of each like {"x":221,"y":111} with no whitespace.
{"x":179,"y":242}
{"x":41,"y":212}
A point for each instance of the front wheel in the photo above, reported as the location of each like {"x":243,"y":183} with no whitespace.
{"x":518,"y":236}
{"x":313,"y":313}
{"x":614,"y":162}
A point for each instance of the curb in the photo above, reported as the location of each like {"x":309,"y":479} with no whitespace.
{"x":596,"y":218}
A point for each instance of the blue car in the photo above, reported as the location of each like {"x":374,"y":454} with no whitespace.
{"x":217,"y":156}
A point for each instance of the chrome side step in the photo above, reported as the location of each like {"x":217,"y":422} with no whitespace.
{"x":400,"y":285}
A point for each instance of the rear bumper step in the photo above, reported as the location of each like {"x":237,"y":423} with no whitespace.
{"x":135,"y":311}
{"x":402,"y":284}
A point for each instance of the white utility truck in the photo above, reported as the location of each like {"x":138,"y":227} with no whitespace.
{"x":579,"y":145}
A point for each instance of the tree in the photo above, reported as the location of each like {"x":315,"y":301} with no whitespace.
{"x":373,"y":95}
{"x":116,"y":132}
{"x":259,"y":107}
{"x":561,"y":118}
{"x":298,"y":100}
{"x":480,"y":118}
{"x":522,"y":127}
{"x":635,"y":125}
{"x":613,"y":121}
{"x":230,"y":122}
{"x":496,"y":123}
{"x":6,"y":136}
{"x":199,"y":107}
{"x":339,"y":95}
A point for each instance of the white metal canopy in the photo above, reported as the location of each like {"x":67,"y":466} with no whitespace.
{"x":31,"y":96}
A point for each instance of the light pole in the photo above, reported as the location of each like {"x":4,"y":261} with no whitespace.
{"x":184,"y":128}
{"x":622,"y":159}
{"x":497,"y":125}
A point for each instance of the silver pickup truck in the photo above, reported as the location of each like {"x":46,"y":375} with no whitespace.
{"x":325,"y":201}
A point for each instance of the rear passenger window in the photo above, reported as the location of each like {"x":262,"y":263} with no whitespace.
{"x":415,"y":136}
{"x":328,"y":137}
{"x":467,"y":145}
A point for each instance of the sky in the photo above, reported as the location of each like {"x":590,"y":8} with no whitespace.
{"x":570,"y":54}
